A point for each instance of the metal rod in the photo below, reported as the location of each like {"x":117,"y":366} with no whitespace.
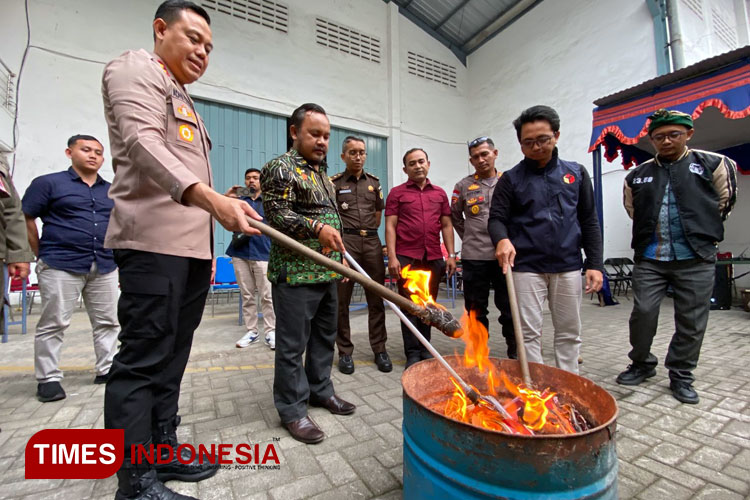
{"x":471,"y":393}
{"x":520,"y":346}
{"x":338,"y":267}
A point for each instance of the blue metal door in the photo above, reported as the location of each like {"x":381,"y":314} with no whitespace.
{"x":376,"y":164}
{"x":241,"y":139}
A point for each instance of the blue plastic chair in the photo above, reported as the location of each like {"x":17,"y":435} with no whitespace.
{"x":6,"y":308}
{"x":225,"y":281}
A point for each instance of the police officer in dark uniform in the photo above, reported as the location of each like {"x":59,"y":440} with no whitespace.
{"x":360,"y":204}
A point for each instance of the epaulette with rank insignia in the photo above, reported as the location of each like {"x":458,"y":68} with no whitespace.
{"x":373,"y":176}
{"x":336,"y":176}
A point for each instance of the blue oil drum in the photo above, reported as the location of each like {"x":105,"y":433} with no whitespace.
{"x":447,"y":459}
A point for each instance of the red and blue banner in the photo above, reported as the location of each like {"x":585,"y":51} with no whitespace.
{"x":619,"y":126}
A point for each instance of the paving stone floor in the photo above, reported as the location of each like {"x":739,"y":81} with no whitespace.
{"x":665,"y":449}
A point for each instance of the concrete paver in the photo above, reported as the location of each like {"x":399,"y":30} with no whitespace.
{"x":665,"y":449}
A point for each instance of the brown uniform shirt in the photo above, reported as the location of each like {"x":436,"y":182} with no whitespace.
{"x":159,"y":148}
{"x":358,"y":200}
{"x":470,"y":210}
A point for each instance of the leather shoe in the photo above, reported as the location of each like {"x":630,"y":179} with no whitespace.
{"x":335,"y":405}
{"x":634,"y":375}
{"x":47,"y":392}
{"x":346,"y":364}
{"x":683,"y":392}
{"x":384,"y":362}
{"x":101,"y":379}
{"x":304,"y":430}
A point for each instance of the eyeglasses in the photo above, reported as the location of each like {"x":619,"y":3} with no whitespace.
{"x":673,"y":136}
{"x":355,"y":154}
{"x":539,"y":141}
{"x":478,"y":141}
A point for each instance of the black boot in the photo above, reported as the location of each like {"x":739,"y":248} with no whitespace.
{"x":140,"y":483}
{"x":191,"y":472}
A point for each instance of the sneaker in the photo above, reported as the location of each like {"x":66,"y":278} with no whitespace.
{"x":271,"y":339}
{"x":634,"y":375}
{"x":49,"y":391}
{"x":247,"y":339}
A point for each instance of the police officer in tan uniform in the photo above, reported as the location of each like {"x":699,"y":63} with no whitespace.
{"x":15,"y":251}
{"x":161,"y":231}
{"x":360,"y":204}
{"x":470,"y":209}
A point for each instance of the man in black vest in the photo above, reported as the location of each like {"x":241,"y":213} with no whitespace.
{"x":678,"y":202}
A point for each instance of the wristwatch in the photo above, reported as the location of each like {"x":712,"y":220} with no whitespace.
{"x":452,"y":255}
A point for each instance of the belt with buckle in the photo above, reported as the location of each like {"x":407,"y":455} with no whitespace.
{"x":361,"y":232}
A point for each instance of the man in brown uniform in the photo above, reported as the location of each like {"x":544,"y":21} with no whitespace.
{"x":160,"y":230}
{"x":14,"y":245}
{"x":360,"y":202}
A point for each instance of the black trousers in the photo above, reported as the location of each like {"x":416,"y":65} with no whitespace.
{"x":692,"y":282}
{"x":478,"y":276}
{"x":414,"y":349}
{"x":305,"y":324}
{"x":161,"y":304}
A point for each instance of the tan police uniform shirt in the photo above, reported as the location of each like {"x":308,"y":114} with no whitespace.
{"x":470,"y":210}
{"x":358,"y":200}
{"x":159,"y":148}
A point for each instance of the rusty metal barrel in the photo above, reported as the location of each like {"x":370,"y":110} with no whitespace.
{"x":444,"y":458}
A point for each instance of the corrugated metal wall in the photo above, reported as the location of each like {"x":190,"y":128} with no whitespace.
{"x":244,"y":138}
{"x":241,"y":139}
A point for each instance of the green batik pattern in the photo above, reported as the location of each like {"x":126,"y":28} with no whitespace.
{"x":295,"y":199}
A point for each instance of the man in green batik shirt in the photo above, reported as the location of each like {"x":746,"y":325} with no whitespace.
{"x":300,"y":201}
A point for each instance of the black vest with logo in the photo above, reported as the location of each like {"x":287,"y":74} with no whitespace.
{"x":691,"y":179}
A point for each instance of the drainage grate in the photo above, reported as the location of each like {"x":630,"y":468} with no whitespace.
{"x":266,"y":13}
{"x":723,"y":30}
{"x":347,"y":40}
{"x":431,"y":69}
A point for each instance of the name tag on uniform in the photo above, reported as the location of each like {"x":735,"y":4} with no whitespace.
{"x":344,"y":191}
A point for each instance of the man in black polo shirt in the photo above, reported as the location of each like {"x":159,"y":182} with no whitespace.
{"x":74,"y":207}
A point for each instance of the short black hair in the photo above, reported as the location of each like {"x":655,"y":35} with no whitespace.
{"x":298,"y":115}
{"x":81,"y":137}
{"x":479,"y":141}
{"x":251,"y":169}
{"x":415,"y":149}
{"x":536,"y":113}
{"x":351,"y":138}
{"x":170,"y":11}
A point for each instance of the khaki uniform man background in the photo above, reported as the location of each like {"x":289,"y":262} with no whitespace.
{"x":470,"y":210}
{"x":14,"y":244}
{"x":360,"y":202}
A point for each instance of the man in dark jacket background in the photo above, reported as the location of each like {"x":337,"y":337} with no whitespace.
{"x":678,"y":202}
{"x":542,"y":214}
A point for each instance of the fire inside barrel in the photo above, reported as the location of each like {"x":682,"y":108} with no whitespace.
{"x":527,"y":411}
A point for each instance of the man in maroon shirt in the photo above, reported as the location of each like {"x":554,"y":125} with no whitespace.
{"x":416,"y":212}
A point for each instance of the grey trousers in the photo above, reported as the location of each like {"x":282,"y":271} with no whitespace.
{"x":60,"y":291}
{"x":306,"y":320}
{"x":692,"y":282}
{"x":563,"y":292}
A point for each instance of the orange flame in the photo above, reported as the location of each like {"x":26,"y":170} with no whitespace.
{"x":418,"y":284}
{"x":530,"y":411}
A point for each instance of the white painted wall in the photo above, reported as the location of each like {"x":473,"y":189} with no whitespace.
{"x":251,"y":66}
{"x":565,"y":55}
